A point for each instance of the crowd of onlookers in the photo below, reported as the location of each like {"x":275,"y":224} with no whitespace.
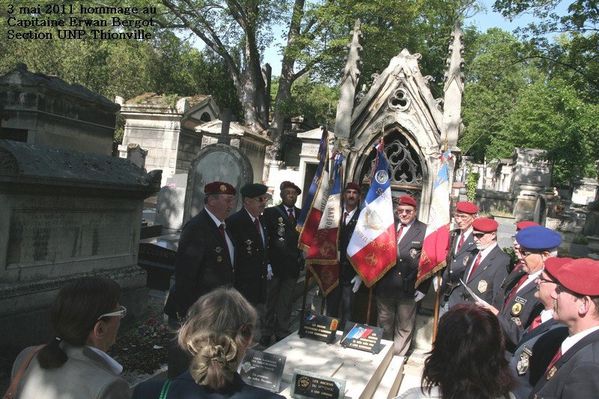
{"x":523,"y":329}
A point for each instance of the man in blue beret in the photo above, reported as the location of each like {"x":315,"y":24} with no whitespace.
{"x":520,"y":306}
{"x":247,"y":230}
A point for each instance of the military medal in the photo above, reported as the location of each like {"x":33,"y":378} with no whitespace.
{"x":482,"y":286}
{"x":413,"y":253}
{"x":516,"y":309}
{"x":551,"y":372}
{"x":248,"y":248}
{"x":524,"y":361}
{"x":466,"y":260}
{"x":219,"y":258}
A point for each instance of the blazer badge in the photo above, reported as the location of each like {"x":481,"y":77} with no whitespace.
{"x":482,"y":286}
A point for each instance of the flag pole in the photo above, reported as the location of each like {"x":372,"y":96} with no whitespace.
{"x":437,"y":305}
{"x":369,"y":305}
{"x":306,"y":283}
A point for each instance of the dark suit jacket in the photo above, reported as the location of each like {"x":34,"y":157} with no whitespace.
{"x":345,"y":233}
{"x":457,"y":262}
{"x":400,"y":279}
{"x":184,"y":387}
{"x":533,"y":354}
{"x":202,"y":264}
{"x":250,"y":256}
{"x":486,"y":280}
{"x":576,"y":373}
{"x":516,"y":315}
{"x":284,"y":255}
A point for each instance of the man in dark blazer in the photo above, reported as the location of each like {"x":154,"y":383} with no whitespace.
{"x":395,"y":293}
{"x":520,"y":306}
{"x":461,"y":249}
{"x":573,"y":371}
{"x":340,"y":301}
{"x":540,"y":340}
{"x":487,"y":268}
{"x":204,"y":261}
{"x":250,"y":241}
{"x":286,"y":261}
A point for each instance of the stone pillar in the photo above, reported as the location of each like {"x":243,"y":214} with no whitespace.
{"x":526,"y":201}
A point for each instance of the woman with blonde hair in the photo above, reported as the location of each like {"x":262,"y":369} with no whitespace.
{"x":216,"y":334}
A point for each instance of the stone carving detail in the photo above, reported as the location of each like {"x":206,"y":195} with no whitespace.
{"x":405,"y":169}
{"x":8,"y":163}
{"x":399,"y":100}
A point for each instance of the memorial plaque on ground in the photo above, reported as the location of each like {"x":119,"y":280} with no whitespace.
{"x":318,"y":327}
{"x":362,"y":337}
{"x":262,"y":370}
{"x":306,"y":385}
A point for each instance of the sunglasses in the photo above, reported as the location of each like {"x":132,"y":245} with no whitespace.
{"x":478,"y":235}
{"x":406,"y":211}
{"x":542,"y":280}
{"x":120,"y":312}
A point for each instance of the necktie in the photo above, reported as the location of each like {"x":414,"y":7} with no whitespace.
{"x":514,"y":290}
{"x":475,"y":266}
{"x":555,"y":359}
{"x":345,"y":215}
{"x":291,"y":215}
{"x":257,"y":225}
{"x":461,"y":242}
{"x":221,"y":230}
{"x":535,"y":323}
{"x":400,"y":231}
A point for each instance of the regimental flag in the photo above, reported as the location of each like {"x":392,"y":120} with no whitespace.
{"x":309,"y":219}
{"x":436,"y":240}
{"x":372,"y":249}
{"x":326,"y":276}
{"x":323,"y":248}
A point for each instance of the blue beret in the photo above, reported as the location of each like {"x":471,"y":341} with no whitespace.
{"x":538,"y":238}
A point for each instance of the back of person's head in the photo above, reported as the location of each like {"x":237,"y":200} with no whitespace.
{"x":74,"y":314}
{"x":467,"y":359}
{"x":216,"y":333}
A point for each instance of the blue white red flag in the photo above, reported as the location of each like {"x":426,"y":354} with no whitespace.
{"x":372,"y":249}
{"x":315,"y":201}
{"x":436,"y":240}
{"x":323,"y":248}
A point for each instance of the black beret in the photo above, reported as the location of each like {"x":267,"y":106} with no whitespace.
{"x":253,"y":190}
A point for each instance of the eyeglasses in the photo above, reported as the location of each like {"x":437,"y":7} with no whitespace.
{"x":541,"y":280}
{"x":525,"y":253}
{"x":478,"y":235}
{"x":406,"y":211}
{"x":120,"y":312}
{"x":461,"y":216}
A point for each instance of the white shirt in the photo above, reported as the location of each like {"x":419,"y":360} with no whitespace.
{"x":115,"y":366}
{"x":483,"y":255}
{"x":404,"y":231}
{"x":465,"y":234}
{"x":546,"y":315}
{"x":261,"y":230}
{"x":529,"y":279}
{"x":230,"y":245}
{"x":350,"y":214}
{"x":573,"y":339}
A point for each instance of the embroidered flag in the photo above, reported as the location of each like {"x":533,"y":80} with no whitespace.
{"x":372,"y":247}
{"x":436,"y":239}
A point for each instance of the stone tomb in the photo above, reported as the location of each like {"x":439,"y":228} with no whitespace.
{"x":363,"y":372}
{"x":64,"y":215}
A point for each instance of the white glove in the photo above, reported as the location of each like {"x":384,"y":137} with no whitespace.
{"x":269,"y":273}
{"x":418,"y":295}
{"x":436,"y":283}
{"x":357,"y":282}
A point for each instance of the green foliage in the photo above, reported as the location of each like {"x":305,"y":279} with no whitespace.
{"x":471,"y":183}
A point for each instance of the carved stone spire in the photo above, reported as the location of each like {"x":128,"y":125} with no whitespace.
{"x":349,"y":82}
{"x":453,"y":91}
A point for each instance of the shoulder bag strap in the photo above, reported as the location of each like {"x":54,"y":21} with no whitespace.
{"x":12,"y":389}
{"x":165,"y":388}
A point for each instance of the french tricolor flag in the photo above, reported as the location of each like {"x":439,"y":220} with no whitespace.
{"x":372,"y":249}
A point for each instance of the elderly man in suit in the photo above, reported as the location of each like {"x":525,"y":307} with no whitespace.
{"x":573,"y":370}
{"x":520,"y":306}
{"x":541,"y":339}
{"x":250,"y":241}
{"x":395,"y":292}
{"x":286,"y":261}
{"x":204,"y":261}
{"x":461,"y":247}
{"x":340,"y":301}
{"x":487,"y":268}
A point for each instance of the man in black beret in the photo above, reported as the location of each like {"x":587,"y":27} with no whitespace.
{"x":249,"y":238}
{"x":286,"y":262}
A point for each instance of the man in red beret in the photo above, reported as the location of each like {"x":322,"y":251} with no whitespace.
{"x":286,"y":261}
{"x":204,"y":261}
{"x":541,"y":339}
{"x":573,"y":371}
{"x":486,"y":269}
{"x":340,"y":301}
{"x":461,"y":247}
{"x":395,"y":293}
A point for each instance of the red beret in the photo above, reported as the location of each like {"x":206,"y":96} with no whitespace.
{"x":579,"y":275}
{"x":485,"y":225}
{"x":352,"y":186}
{"x":288,"y":184}
{"x":555,"y":262}
{"x":466,"y":207}
{"x":219,"y":187}
{"x":406,"y":200}
{"x":524,"y":224}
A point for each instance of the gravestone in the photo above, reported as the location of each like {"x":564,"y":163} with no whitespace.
{"x":216,"y":162}
{"x":170,"y":202}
